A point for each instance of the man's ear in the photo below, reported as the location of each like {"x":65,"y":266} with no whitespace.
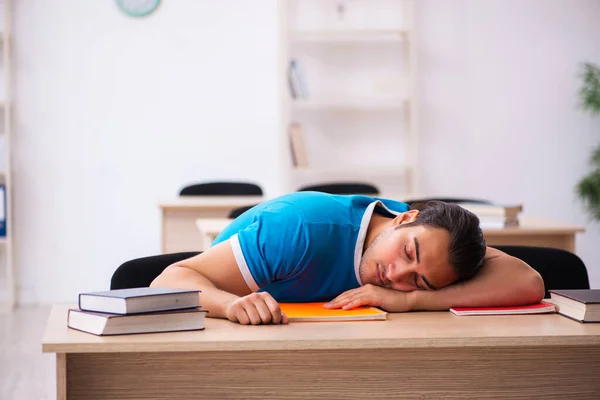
{"x":406,"y":217}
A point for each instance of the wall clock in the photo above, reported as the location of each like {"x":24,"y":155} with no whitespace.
{"x":138,"y":8}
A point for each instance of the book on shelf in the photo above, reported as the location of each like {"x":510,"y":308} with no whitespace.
{"x":540,"y":308}
{"x":297,"y":145}
{"x":296,"y":81}
{"x":315,"y":312}
{"x":582,"y":305}
{"x":2,"y":210}
{"x":139,"y":300}
{"x":105,"y":324}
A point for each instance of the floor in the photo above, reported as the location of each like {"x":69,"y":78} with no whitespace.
{"x":25,"y":372}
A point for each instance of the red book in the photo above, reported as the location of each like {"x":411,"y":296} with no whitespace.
{"x":541,"y":308}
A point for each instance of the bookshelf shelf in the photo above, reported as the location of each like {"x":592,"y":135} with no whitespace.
{"x":354,"y":170}
{"x":349,"y":36}
{"x":350,"y":105}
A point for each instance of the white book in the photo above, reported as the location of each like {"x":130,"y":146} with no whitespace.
{"x":299,"y":85}
{"x":139,"y":300}
{"x":104,"y":324}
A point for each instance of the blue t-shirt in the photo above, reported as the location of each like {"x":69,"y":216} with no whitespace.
{"x":304,"y":246}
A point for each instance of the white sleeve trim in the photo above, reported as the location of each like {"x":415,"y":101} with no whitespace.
{"x":241,"y":262}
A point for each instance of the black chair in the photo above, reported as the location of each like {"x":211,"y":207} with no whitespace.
{"x":343,"y":188}
{"x":332,"y":188}
{"x":222,"y":189}
{"x":236,"y":212}
{"x":559,"y":269}
{"x":140,"y":272}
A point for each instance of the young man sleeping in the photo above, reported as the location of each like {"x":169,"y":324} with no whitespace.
{"x":351,"y":251}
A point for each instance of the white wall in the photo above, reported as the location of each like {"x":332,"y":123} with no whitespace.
{"x":114,"y":114}
{"x":499,"y":112}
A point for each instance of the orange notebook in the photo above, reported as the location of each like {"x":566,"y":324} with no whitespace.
{"x":316,"y":312}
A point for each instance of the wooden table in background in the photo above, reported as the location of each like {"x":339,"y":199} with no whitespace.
{"x":532,"y":232}
{"x":411,"y":355}
{"x":536,"y":232}
{"x":179,"y":231}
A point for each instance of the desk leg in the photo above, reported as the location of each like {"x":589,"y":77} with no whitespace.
{"x":61,"y":376}
{"x":207,"y":241}
{"x":179,"y":230}
{"x":570,"y":243}
{"x":163,"y":232}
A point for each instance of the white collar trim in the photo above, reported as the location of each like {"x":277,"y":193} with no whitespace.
{"x":362,"y":233}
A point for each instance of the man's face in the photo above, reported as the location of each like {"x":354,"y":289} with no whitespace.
{"x":408,"y":258}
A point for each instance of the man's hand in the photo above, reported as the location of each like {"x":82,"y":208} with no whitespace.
{"x":376,"y":296}
{"x":256,"y":308}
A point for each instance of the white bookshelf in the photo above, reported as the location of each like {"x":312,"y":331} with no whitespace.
{"x":357,"y":63}
{"x":390,"y":170}
{"x":7,"y":273}
{"x":348,"y":36}
{"x":349,"y":104}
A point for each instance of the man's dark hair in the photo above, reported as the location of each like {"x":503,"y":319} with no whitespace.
{"x":467,"y":244}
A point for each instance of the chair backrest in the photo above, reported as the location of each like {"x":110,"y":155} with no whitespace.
{"x":140,"y":272}
{"x":222,"y":189}
{"x":559,"y":269}
{"x":456,"y":200}
{"x":342,"y":188}
{"x":236,"y":212}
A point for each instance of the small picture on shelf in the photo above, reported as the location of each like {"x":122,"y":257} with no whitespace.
{"x":296,"y":81}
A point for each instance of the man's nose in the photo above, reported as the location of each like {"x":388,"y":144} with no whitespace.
{"x":398,"y":272}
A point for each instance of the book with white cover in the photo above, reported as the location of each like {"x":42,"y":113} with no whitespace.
{"x":104,"y":324}
{"x":139,"y":300}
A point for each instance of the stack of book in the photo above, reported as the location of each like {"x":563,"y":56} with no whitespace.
{"x":582,"y":305}
{"x":495,"y":216}
{"x":139,"y":310}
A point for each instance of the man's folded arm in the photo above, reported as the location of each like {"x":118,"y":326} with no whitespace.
{"x":215,"y":272}
{"x":502,"y":281}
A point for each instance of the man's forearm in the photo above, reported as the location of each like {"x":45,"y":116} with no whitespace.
{"x":212,"y":299}
{"x":502,"y":281}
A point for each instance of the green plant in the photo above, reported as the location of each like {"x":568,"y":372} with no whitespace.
{"x":588,"y":188}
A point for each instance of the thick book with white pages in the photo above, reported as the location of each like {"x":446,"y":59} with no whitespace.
{"x":540,"y":308}
{"x":103,"y":324}
{"x":139,"y":300}
{"x":579,"y":304}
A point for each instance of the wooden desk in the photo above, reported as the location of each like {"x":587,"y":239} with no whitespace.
{"x":179,"y":232}
{"x":411,"y":355}
{"x":532,"y":232}
{"x":179,"y":215}
{"x":536,"y":232}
